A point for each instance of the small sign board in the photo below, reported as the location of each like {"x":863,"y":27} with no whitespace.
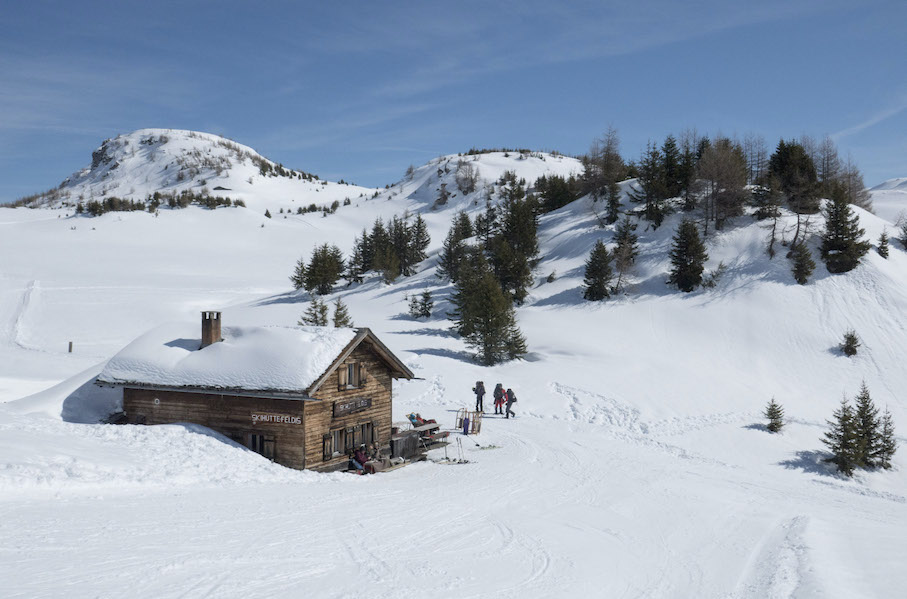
{"x":275,"y":418}
{"x":342,"y":408}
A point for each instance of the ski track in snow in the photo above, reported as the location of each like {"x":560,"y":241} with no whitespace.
{"x":777,"y":564}
{"x":623,"y":422}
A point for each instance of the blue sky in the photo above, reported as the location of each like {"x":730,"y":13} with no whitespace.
{"x":360,"y":90}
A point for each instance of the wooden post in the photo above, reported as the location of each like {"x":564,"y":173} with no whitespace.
{"x":70,"y":347}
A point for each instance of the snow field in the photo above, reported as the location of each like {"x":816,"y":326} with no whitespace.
{"x":637,"y":465}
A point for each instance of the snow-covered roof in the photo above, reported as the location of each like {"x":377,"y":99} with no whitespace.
{"x":262,"y":358}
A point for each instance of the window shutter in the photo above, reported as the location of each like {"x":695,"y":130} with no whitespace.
{"x":342,"y":376}
{"x":362,"y":375}
{"x":326,"y":447}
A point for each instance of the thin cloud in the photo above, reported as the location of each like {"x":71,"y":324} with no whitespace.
{"x":875,"y":119}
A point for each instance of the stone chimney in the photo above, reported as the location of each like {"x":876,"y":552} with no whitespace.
{"x":210,"y":328}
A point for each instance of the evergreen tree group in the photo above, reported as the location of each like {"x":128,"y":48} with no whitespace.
{"x":688,"y":257}
{"x":858,"y":437}
{"x":506,"y":235}
{"x":316,"y":315}
{"x":324,"y":269}
{"x":392,"y":249}
{"x":793,"y":169}
{"x":842,"y":244}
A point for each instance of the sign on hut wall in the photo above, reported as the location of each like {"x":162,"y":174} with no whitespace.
{"x":342,"y":408}
{"x":276,"y":418}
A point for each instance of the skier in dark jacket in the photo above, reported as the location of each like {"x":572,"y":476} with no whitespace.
{"x":479,"y":390}
{"x":511,"y":399}
{"x":498,"y":398}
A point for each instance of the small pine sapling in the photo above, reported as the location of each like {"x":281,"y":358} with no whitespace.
{"x":342,"y":317}
{"x":267,"y":213}
{"x":850,"y":343}
{"x":316,"y":315}
{"x":887,"y":444}
{"x":803,"y":264}
{"x":414,"y":309}
{"x":426,"y":304}
{"x":883,"y":245}
{"x":774,"y":413}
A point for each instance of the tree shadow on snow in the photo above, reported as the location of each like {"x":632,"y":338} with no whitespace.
{"x":812,"y":462}
{"x":290,"y":297}
{"x":460,"y":356}
{"x":756,"y":427}
{"x":426,"y":331}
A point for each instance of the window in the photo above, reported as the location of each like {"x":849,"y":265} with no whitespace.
{"x":263,"y":445}
{"x":367,"y":433}
{"x":351,"y":375}
{"x":337,"y":442}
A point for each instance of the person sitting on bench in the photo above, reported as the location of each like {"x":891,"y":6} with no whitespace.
{"x":360,"y":457}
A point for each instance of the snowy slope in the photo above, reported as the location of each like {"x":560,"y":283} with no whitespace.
{"x":636,"y":467}
{"x":889,"y":200}
{"x":136,"y":165}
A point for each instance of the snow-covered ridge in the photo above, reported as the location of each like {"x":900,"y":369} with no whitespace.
{"x":136,"y":165}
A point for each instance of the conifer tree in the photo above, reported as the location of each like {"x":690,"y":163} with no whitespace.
{"x":803,"y":264}
{"x":887,"y":444}
{"x":842,"y":247}
{"x":298,"y":277}
{"x":324,"y":270}
{"x":454,"y":249}
{"x":603,"y":168}
{"x":414,"y":309}
{"x":774,"y":413}
{"x":597,"y":281}
{"x":866,"y":425}
{"x":671,"y":170}
{"x":626,"y":251}
{"x":904,"y":235}
{"x":342,"y":315}
{"x":484,"y":315}
{"x":841,"y":439}
{"x":883,"y":245}
{"x":426,"y":304}
{"x":688,"y":257}
{"x":316,"y":315}
{"x":650,"y":185}
{"x":850,"y":344}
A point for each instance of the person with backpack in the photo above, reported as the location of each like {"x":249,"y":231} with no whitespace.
{"x":511,"y":399}
{"x":479,"y":390}
{"x":498,"y":398}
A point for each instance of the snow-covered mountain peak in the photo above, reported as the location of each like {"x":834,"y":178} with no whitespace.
{"x":136,"y":165}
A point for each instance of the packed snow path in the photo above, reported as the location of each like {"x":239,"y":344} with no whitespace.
{"x":560,"y":508}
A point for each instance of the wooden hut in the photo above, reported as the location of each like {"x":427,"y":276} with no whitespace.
{"x":300,"y":396}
